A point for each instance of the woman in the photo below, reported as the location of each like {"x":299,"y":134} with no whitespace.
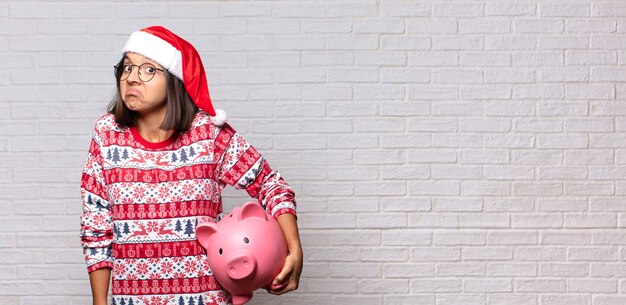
{"x":156,"y":166}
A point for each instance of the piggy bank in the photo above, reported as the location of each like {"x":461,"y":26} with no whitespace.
{"x":245,"y":250}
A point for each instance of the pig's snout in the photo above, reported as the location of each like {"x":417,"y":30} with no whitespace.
{"x":241,"y":267}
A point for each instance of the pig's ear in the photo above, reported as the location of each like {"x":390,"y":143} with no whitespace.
{"x":252,"y":209}
{"x":204,"y":232}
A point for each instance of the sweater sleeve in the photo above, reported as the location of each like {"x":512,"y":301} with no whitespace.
{"x":240,"y":165}
{"x":96,"y":222}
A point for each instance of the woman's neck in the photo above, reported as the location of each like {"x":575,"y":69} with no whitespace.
{"x":148,"y":126}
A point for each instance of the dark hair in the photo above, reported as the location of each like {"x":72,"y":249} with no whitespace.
{"x":180,"y":107}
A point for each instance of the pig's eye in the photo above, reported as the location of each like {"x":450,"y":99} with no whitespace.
{"x":220,"y":251}
{"x":246,"y":240}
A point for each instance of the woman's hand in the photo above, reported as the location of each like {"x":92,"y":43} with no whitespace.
{"x":289,"y":277}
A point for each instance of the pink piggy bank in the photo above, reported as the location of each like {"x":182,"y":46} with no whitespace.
{"x":245,"y":250}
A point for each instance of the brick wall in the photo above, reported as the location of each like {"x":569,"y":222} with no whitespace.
{"x":443,"y":152}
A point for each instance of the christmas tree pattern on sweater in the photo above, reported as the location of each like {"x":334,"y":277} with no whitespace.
{"x":142,"y":202}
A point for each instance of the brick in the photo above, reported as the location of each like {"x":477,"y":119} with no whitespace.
{"x":590,"y":26}
{"x":365,"y":157}
{"x":431,"y":26}
{"x":561,"y":108}
{"x":565,"y":238}
{"x":456,"y":76}
{"x":481,"y":156}
{"x":484,"y":220}
{"x":326,"y":26}
{"x":353,"y":141}
{"x":462,"y":298}
{"x":536,"y":221}
{"x":562,"y":141}
{"x":562,"y":205}
{"x":610,"y":9}
{"x":510,"y":9}
{"x":484,"y":26}
{"x":563,"y":42}
{"x":566,"y":300}
{"x":535,"y":157}
{"x":408,"y":270}
{"x":540,"y":285}
{"x":391,"y":286}
{"x":565,"y":10}
{"x":404,"y":75}
{"x":590,"y":221}
{"x":512,"y":237}
{"x":437,"y":254}
{"x":348,"y":173}
{"x":436,"y":285}
{"x":376,"y":26}
{"x":512,"y":269}
{"x":352,"y":42}
{"x":404,"y":9}
{"x":592,"y":285}
{"x":575,"y":188}
{"x":458,"y":238}
{"x":434,"y":93}
{"x":406,"y":237}
{"x":505,"y":204}
{"x":460,"y":43}
{"x":316,"y":238}
{"x":449,"y":188}
{"x":237,"y":9}
{"x":315,"y":254}
{"x":509,"y":76}
{"x":508,"y":141}
{"x":382,"y":188}
{"x":330,"y":93}
{"x":433,"y":125}
{"x":486,"y":92}
{"x":566,"y":270}
{"x":459,"y":10}
{"x":508,"y":172}
{"x":513,"y":299}
{"x":536,"y":25}
{"x":355,"y":204}
{"x":504,"y":42}
{"x":346,"y":75}
{"x":538,"y":92}
{"x":405,"y":204}
{"x":537,"y":58}
{"x":383,"y":254}
{"x":597,"y":254}
{"x":328,"y":221}
{"x":488,"y":285}
{"x":433,"y":220}
{"x":607,"y":205}
{"x":404,"y":172}
{"x":588,"y":57}
{"x":377,"y":220}
{"x":356,"y":299}
{"x":331,"y":58}
{"x":485,"y":188}
{"x":445,"y":140}
{"x":460,"y":269}
{"x":35,"y":10}
{"x":486,"y":253}
{"x":375,"y":58}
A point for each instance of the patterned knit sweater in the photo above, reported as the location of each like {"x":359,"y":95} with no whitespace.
{"x":143,"y":200}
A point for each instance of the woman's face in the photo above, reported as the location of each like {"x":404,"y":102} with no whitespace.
{"x":140,"y":96}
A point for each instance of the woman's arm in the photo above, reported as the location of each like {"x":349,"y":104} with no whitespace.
{"x":293,"y":264}
{"x":100,"y":285}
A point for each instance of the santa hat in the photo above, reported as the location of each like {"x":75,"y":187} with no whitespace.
{"x":180,"y":58}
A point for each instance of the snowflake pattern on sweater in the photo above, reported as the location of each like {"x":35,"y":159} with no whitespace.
{"x":142,"y":202}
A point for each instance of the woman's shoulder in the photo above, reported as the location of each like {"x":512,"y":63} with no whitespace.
{"x":107,"y":123}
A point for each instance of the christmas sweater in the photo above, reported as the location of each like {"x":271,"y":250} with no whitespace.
{"x":143,"y":200}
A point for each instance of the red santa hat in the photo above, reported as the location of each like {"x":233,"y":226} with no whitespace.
{"x":181,"y":59}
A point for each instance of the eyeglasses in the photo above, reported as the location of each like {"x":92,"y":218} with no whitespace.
{"x":146,"y":71}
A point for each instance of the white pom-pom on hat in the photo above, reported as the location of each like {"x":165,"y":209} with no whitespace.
{"x":219,"y":118}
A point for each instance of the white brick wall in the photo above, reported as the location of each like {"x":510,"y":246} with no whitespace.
{"x":466,"y":152}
